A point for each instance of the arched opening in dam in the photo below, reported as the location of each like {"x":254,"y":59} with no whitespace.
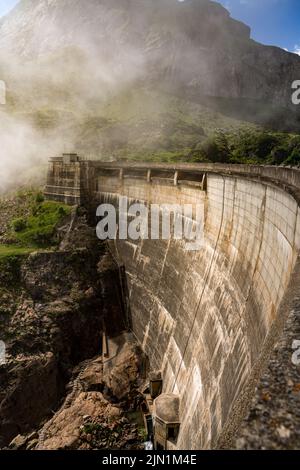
{"x":208,"y":319}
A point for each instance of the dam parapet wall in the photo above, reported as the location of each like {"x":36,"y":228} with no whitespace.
{"x":77,"y":179}
{"x":208,"y":319}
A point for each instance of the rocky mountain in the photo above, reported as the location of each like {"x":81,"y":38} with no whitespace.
{"x":193,"y":44}
{"x":133,"y":79}
{"x":53,"y":335}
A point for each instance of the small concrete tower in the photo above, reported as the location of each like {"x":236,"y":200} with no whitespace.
{"x":2,"y":93}
{"x":68,"y":179}
{"x":166,"y":421}
{"x":155,"y":384}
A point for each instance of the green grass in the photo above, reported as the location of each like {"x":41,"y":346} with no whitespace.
{"x":10,"y":265}
{"x":38,"y":229}
{"x":145,"y":124}
{"x":137,"y":124}
{"x":142,"y":433}
{"x":8,"y":251}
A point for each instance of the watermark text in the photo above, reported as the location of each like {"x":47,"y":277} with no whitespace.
{"x":154,"y":222}
{"x":296,"y":354}
{"x":2,"y":353}
{"x":296,"y":93}
{"x":2,"y":92}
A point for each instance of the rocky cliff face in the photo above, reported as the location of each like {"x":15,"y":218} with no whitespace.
{"x":132,"y":79}
{"x":193,"y":44}
{"x":54,"y":307}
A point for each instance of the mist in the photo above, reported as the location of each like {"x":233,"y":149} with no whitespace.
{"x":50,"y":94}
{"x":115,"y":79}
{"x":24,"y":152}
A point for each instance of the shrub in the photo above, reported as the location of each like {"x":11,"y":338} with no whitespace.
{"x":216,"y":148}
{"x":38,"y":228}
{"x":10,"y":270}
{"x":279,"y":154}
{"x":19,"y":224}
{"x":62,"y":211}
{"x":39,"y":198}
{"x":263,"y":144}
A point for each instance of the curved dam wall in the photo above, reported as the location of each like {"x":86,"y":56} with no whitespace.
{"x":204,"y":317}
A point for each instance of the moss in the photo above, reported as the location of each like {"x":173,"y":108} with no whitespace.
{"x":39,"y":198}
{"x":91,"y":428}
{"x":19,"y":224}
{"x":142,"y":433}
{"x":9,"y":251}
{"x":10,"y":266}
{"x":37,"y":230}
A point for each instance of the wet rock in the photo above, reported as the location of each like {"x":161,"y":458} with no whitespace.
{"x":32,"y":444}
{"x":283,"y":432}
{"x":21,"y":442}
{"x":48,"y":319}
{"x":87,"y":419}
{"x":120,"y":373}
{"x":53,"y":323}
{"x":92,"y":378}
{"x":80,"y":424}
{"x":113,"y":411}
{"x":18,"y":442}
{"x":27,"y":381}
{"x":274,"y":418}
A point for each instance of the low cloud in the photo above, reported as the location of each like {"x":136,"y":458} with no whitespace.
{"x":296,"y":49}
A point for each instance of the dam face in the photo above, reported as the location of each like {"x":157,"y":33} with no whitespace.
{"x":205,"y":318}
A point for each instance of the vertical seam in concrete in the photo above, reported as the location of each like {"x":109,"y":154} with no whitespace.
{"x":295,"y":232}
{"x":124,"y":297}
{"x":260,"y":245}
{"x":164,"y":263}
{"x":204,"y":287}
{"x":256,"y":264}
{"x":154,"y":297}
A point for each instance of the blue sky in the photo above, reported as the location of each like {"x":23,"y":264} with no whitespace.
{"x":6,"y":5}
{"x":275,"y":22}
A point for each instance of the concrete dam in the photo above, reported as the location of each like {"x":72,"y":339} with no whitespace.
{"x":207,"y":319}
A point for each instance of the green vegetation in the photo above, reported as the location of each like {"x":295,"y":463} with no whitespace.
{"x":147,"y":125}
{"x":91,"y":428}
{"x":142,"y":433}
{"x":249,"y":147}
{"x":28,"y":222}
{"x":32,"y":228}
{"x":213,"y":149}
{"x":138,"y":124}
{"x":8,"y":251}
{"x":37,"y":230}
{"x":10,"y":265}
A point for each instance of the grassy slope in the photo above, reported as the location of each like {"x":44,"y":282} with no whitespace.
{"x":71,"y":106}
{"x":134,"y":123}
{"x":28,"y":223}
{"x":148,"y":125}
{"x":12,"y":250}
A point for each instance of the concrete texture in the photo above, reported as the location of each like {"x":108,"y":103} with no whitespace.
{"x":68,"y":180}
{"x":273,"y":420}
{"x":209,"y":319}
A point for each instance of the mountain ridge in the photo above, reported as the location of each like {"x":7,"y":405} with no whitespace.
{"x":194,"y":43}
{"x":134,"y":79}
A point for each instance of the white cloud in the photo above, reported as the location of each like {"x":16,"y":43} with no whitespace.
{"x":297,"y":49}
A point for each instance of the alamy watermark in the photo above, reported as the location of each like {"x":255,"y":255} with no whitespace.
{"x":2,"y":353}
{"x":296,"y":354}
{"x":296,"y":93}
{"x":2,"y":92}
{"x":154,"y":222}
